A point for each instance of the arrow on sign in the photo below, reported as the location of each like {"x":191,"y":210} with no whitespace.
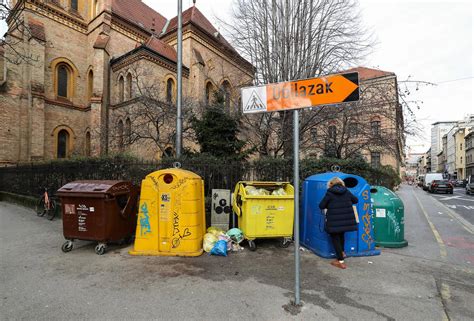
{"x":333,"y":89}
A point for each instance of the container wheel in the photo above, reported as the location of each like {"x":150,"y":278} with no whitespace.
{"x":284,"y":242}
{"x":252,"y":245}
{"x":100,"y":249}
{"x":67,"y":246}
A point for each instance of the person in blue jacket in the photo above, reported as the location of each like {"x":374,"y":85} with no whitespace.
{"x":340,"y":217}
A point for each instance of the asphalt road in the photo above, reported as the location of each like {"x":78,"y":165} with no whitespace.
{"x":459,"y":202}
{"x":430,"y":279}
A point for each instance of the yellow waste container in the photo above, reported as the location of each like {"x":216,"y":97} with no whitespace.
{"x":171,"y":217}
{"x":265,"y":210}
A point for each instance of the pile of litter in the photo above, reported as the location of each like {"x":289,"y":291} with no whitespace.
{"x":253,"y":191}
{"x":217,"y":242}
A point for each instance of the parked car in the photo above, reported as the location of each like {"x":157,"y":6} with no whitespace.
{"x":470,"y":185}
{"x":438,"y":186}
{"x":420,"y":180}
{"x":431,"y":177}
{"x":460,"y":183}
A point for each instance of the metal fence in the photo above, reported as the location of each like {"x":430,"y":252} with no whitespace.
{"x":30,"y":179}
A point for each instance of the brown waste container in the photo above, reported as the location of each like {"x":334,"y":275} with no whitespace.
{"x":101,"y":211}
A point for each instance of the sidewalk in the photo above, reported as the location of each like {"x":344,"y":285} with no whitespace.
{"x":40,"y":282}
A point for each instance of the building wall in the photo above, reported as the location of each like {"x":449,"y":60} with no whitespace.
{"x":438,"y":130}
{"x":460,"y":163}
{"x":469,"y":142}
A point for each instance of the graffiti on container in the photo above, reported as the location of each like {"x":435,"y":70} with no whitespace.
{"x":366,"y":237}
{"x":393,"y":223}
{"x":145,"y":226}
{"x":177,"y":236}
{"x":180,"y":183}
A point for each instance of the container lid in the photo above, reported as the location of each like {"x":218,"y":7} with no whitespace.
{"x":91,"y":187}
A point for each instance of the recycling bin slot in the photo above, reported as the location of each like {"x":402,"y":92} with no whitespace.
{"x":350,"y":182}
{"x":373,"y":190}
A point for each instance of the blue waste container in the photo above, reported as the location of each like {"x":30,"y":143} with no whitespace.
{"x":312,"y":219}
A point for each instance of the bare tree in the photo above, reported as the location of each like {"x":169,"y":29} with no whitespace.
{"x":151,"y":116}
{"x":18,"y":32}
{"x":294,"y":39}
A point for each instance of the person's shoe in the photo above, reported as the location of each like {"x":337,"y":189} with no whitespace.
{"x":338,"y":264}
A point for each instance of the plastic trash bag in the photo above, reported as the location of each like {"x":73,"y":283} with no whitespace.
{"x":209,"y":241}
{"x":220,"y":248}
{"x":227,"y":239}
{"x":251,"y":190}
{"x":215,"y":230}
{"x":262,"y":192}
{"x":279,"y":191}
{"x":235,"y":235}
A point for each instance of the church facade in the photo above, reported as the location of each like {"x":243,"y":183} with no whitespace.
{"x":99,"y":76}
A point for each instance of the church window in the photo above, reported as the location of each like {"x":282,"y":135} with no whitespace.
{"x":90,"y":84}
{"x":226,"y":92}
{"x":88,"y":143}
{"x":170,"y":90}
{"x":129,"y":86}
{"x":74,"y":5}
{"x":208,"y":95}
{"x":63,"y":75}
{"x":62,"y":144}
{"x":121,"y":89}
{"x":120,"y":134}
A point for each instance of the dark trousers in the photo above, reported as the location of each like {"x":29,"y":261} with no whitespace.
{"x":338,"y":243}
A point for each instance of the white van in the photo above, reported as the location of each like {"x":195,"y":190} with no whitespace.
{"x":431,"y":177}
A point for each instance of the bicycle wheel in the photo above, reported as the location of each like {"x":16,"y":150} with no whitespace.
{"x":41,"y":207}
{"x":52,"y":209}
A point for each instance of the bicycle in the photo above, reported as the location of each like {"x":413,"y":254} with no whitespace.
{"x":46,"y":205}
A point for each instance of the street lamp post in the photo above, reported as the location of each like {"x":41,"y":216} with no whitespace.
{"x":179,"y":116}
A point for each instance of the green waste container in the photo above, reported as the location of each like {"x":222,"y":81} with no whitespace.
{"x":388,"y":218}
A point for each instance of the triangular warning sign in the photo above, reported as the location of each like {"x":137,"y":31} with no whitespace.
{"x":254,"y":103}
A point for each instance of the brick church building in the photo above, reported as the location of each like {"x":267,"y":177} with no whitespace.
{"x":89,"y":65}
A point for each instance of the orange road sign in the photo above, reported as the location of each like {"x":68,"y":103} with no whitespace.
{"x":332,"y":89}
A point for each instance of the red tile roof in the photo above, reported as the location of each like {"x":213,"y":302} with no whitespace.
{"x":369,"y":73}
{"x":194,"y":16}
{"x":139,"y":13}
{"x":36,"y":29}
{"x":162,"y":48}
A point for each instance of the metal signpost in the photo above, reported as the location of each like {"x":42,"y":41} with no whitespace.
{"x":179,"y":116}
{"x":332,"y":89}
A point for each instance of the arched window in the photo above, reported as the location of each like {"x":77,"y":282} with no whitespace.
{"x":63,"y":80}
{"x":129,"y":86}
{"x":74,"y":5}
{"x":88,"y":144}
{"x":120,"y":135}
{"x":208,"y":94}
{"x":169,"y":90}
{"x":62,"y":144}
{"x":128,"y":130}
{"x":121,"y":89}
{"x":90,"y":84}
{"x":226,"y":93}
{"x":332,"y":132}
{"x":375,"y":127}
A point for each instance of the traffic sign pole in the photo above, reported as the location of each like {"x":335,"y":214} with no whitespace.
{"x":296,"y":184}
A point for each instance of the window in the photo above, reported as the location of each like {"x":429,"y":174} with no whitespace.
{"x":375,"y":159}
{"x":88,"y":144}
{"x":63,"y":144}
{"x":120,"y":135}
{"x":63,"y":74}
{"x":121,"y":89}
{"x":375,"y":127}
{"x":129,"y":86}
{"x":461,"y":159}
{"x":460,"y":146}
{"x":74,"y":5}
{"x":332,"y":132}
{"x":226,"y":93}
{"x":314,"y":135}
{"x":90,"y":84}
{"x":208,"y":95}
{"x":353,"y":129}
{"x":128,"y":130}
{"x":169,"y":90}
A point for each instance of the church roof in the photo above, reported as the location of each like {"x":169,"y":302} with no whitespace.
{"x":194,"y":16}
{"x":369,"y":73}
{"x":162,"y":48}
{"x":139,"y":13}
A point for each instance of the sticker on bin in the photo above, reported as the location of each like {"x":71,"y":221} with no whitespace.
{"x":380,"y":212}
{"x":69,"y":209}
{"x":91,"y":209}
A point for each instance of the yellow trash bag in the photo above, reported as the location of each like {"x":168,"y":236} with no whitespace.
{"x":215,"y":230}
{"x":209,"y":242}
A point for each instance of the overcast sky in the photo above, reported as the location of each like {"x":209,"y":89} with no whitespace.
{"x":426,"y":40}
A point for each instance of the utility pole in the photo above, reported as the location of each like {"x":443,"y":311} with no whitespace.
{"x":179,"y":116}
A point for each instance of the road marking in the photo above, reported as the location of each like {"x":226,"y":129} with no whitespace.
{"x":464,"y":223}
{"x":449,"y":198}
{"x":442,"y":247}
{"x":445,"y":292}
